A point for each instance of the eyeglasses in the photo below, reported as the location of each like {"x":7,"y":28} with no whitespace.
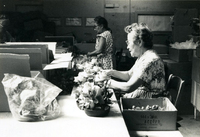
{"x":130,"y":41}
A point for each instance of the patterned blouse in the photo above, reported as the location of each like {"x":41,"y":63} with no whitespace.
{"x":106,"y":58}
{"x":149,"y":68}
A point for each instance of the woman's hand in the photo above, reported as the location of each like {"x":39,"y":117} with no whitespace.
{"x":99,"y":55}
{"x":108,"y":72}
{"x":89,"y":53}
{"x":108,"y":83}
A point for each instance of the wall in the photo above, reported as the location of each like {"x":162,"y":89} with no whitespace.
{"x":61,"y":9}
{"x":119,"y":13}
{"x":128,"y":10}
{"x":75,"y":8}
{"x":118,"y":17}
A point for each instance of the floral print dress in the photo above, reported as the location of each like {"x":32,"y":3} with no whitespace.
{"x":106,"y":57}
{"x":149,"y":68}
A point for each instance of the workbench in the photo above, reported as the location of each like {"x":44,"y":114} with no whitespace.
{"x":73,"y":122}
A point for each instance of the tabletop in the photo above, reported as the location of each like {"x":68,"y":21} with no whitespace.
{"x":73,"y":122}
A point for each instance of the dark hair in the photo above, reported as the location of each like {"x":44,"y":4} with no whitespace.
{"x":102,"y":21}
{"x":142,"y":32}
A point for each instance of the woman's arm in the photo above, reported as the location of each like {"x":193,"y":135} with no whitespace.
{"x":101,"y":46}
{"x":129,"y":86}
{"x":122,"y":75}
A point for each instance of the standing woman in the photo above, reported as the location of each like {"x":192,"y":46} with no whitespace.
{"x":104,"y":43}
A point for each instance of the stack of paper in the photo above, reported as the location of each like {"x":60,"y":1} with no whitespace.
{"x":61,"y":61}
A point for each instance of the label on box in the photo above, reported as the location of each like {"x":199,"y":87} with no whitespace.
{"x":149,"y":120}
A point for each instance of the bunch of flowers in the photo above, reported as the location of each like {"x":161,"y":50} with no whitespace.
{"x":91,"y":91}
{"x":83,"y":62}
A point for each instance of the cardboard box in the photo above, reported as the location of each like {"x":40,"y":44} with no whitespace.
{"x":149,"y":120}
{"x":44,"y":49}
{"x":51,"y":45}
{"x":34,"y":54}
{"x":180,"y":55}
{"x":13,"y":64}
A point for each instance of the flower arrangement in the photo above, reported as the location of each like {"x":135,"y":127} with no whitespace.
{"x":91,"y":92}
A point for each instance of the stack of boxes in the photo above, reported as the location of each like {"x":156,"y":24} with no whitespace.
{"x":180,"y":60}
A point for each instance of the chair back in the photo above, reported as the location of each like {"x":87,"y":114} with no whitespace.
{"x":175,"y":87}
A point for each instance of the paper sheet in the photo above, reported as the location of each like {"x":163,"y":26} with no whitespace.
{"x":61,"y":61}
{"x":58,"y":65}
{"x":62,"y":57}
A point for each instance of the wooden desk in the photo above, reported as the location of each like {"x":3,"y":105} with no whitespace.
{"x":72,"y":123}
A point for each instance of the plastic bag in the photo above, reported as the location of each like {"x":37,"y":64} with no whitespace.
{"x":31,"y":99}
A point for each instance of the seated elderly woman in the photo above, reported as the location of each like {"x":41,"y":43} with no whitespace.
{"x":146,"y":78}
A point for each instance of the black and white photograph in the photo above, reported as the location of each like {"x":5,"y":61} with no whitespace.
{"x":99,"y":68}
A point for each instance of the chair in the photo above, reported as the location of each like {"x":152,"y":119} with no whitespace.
{"x":175,"y":87}
{"x":118,"y":56}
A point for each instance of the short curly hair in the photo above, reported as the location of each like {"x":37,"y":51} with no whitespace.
{"x":142,"y":32}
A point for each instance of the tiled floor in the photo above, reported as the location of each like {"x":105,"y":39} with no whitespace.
{"x":188,"y":126}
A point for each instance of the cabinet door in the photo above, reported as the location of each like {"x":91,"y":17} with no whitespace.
{"x":195,"y":96}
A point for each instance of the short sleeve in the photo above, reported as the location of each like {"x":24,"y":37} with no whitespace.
{"x":151,"y":71}
{"x":105,"y":34}
{"x":148,"y":67}
{"x":109,"y":41}
{"x":144,"y":70}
